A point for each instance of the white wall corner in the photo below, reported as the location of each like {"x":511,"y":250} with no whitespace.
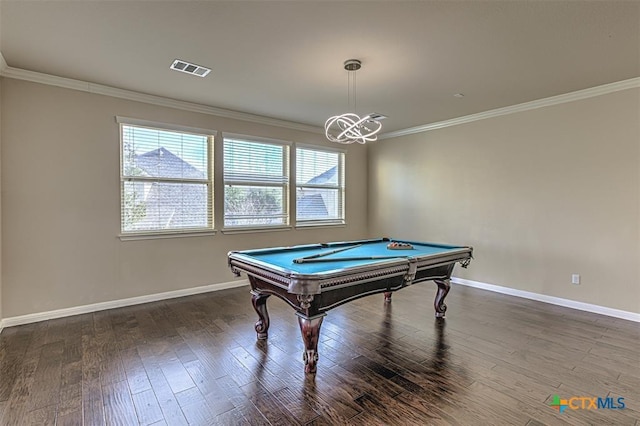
{"x":3,"y":63}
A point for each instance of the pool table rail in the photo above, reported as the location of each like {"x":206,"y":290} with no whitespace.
{"x":302,"y":283}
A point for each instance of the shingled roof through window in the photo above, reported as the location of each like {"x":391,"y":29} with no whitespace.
{"x":163,"y":163}
{"x":330,"y":176}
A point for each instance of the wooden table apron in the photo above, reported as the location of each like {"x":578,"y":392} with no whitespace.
{"x":312,"y":295}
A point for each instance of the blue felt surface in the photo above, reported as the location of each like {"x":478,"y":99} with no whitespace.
{"x":284,"y":258}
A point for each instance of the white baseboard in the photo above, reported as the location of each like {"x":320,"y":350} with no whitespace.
{"x":596,"y":309}
{"x":60,"y":313}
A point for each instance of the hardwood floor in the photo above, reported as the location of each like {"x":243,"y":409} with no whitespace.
{"x":495,"y":360}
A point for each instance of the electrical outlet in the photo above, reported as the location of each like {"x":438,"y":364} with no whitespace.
{"x":575,"y":279}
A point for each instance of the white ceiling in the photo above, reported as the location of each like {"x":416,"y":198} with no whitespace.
{"x":284,"y":59}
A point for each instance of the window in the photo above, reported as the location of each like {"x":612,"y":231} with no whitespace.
{"x":166,"y":180}
{"x":256,"y":183}
{"x":319,"y":186}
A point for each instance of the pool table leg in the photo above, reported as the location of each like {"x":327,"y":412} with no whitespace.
{"x":443,"y":289}
{"x":259,"y":301}
{"x":387,"y":296}
{"x":310,"y":329}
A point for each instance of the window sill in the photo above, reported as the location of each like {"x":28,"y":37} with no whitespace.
{"x":162,"y":235}
{"x":250,"y":230}
{"x":320,"y":225}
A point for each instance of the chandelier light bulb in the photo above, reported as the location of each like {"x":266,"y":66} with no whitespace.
{"x":349,"y":128}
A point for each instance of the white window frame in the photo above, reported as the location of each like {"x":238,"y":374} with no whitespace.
{"x":175,"y":232}
{"x":285,"y":184}
{"x":340,"y":186}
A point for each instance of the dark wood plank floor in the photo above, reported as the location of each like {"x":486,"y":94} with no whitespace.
{"x":495,"y":360}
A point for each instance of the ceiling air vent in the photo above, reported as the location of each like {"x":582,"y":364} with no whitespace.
{"x":189,"y":68}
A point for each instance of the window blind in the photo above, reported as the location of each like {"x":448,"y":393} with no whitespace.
{"x":256,"y":182}
{"x":166,"y":182}
{"x":319,"y":186}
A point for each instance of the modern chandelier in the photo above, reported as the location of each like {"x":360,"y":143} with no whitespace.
{"x":350,"y":127}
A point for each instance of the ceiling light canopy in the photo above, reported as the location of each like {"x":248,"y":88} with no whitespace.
{"x":350,"y":127}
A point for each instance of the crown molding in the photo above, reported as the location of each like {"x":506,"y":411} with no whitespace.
{"x":99,"y":89}
{"x":540,"y":103}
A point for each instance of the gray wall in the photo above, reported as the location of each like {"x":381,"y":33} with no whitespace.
{"x":61,"y":205}
{"x":1,"y":64}
{"x":540,"y":194}
{"x":1,"y":202}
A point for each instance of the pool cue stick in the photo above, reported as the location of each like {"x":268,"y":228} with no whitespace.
{"x":326,"y":253}
{"x":347,"y":259}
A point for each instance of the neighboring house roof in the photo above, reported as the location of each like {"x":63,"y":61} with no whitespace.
{"x":330,"y":175}
{"x":186,"y":206}
{"x":163,"y":163}
{"x":311,"y":206}
{"x":168,"y":203}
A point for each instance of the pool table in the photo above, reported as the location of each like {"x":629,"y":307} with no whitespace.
{"x":318,"y":277}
